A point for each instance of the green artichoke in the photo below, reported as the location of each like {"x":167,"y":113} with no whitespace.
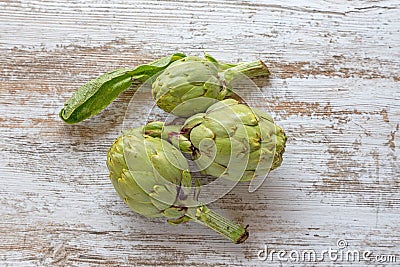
{"x":192,"y":84}
{"x":230,"y":140}
{"x":153,"y":179}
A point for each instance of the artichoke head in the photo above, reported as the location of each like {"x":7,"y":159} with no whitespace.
{"x":192,"y":84}
{"x":234,"y":141}
{"x":148,"y":173}
{"x":189,"y":78}
{"x":153,"y":179}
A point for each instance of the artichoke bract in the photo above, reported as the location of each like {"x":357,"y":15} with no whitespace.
{"x":153,"y":179}
{"x":192,"y":84}
{"x":230,"y":140}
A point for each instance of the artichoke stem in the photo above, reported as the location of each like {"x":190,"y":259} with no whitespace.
{"x":234,"y":232}
{"x":250,"y":69}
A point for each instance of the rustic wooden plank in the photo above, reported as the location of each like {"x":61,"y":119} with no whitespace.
{"x":334,"y":89}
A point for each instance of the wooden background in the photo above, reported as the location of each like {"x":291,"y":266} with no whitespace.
{"x":334,"y":89}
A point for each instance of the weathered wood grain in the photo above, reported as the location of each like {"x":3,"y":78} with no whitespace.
{"x":334,"y":89}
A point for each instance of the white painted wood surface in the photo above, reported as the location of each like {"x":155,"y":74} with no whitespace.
{"x":334,"y":89}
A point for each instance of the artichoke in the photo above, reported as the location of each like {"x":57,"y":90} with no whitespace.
{"x":192,"y":84}
{"x":153,"y":179}
{"x":230,"y":140}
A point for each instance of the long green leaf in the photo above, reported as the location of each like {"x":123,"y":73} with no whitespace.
{"x":97,"y":94}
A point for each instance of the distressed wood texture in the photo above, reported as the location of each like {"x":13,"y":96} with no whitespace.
{"x":334,"y":89}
